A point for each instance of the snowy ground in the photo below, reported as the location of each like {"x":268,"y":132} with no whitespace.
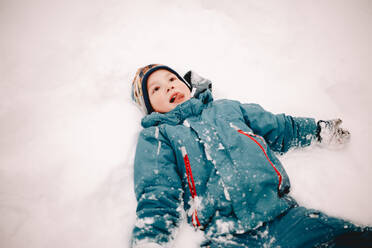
{"x":68,"y":127}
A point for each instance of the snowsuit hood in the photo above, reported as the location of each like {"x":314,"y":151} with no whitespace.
{"x":214,"y":159}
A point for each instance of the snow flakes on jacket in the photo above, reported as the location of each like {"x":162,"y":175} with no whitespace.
{"x":214,"y":159}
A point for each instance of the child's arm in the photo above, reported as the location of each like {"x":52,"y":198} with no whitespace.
{"x":158,"y":190}
{"x":283,"y":131}
{"x":280,"y":131}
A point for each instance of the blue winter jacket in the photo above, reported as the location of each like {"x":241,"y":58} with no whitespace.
{"x":215,"y":160}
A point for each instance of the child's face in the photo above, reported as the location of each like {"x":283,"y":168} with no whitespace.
{"x":166,"y":91}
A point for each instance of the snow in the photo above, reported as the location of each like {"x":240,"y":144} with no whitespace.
{"x":69,"y":128}
{"x":141,"y":223}
{"x":224,"y":227}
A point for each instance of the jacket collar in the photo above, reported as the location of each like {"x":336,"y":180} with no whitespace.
{"x":193,"y":106}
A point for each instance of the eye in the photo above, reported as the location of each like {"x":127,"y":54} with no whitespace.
{"x":172,"y":79}
{"x":155,"y":89}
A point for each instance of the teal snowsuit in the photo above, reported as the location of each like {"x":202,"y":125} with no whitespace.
{"x":215,"y":160}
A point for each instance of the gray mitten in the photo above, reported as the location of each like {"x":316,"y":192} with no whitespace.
{"x":330,"y":134}
{"x":199,"y":84}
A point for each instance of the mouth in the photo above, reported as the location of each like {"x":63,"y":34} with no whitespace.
{"x":176,"y":97}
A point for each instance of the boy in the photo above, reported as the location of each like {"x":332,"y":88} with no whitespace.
{"x":215,"y":159}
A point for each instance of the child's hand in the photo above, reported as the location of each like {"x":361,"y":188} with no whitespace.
{"x":331,"y":135}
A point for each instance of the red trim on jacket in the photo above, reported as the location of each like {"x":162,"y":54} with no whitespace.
{"x":267,"y":157}
{"x":190,"y":180}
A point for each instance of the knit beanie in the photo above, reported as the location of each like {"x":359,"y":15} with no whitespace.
{"x":139,"y":85}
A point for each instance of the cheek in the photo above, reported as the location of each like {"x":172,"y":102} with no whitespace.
{"x":154,"y":100}
{"x":158,"y":101}
{"x":187,"y":93}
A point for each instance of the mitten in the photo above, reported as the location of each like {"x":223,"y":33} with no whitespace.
{"x":330,"y":134}
{"x":199,"y":84}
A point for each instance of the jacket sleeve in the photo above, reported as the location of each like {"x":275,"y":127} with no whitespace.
{"x":280,"y":131}
{"x":158,"y":190}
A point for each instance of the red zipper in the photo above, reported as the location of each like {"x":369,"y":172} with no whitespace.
{"x":190,"y":180}
{"x":263,"y":150}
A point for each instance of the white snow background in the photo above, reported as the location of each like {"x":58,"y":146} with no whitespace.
{"x":68,"y":127}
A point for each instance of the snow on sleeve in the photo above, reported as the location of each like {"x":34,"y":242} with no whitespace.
{"x":158,"y":190}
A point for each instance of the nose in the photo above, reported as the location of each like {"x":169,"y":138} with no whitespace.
{"x":170,"y":87}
